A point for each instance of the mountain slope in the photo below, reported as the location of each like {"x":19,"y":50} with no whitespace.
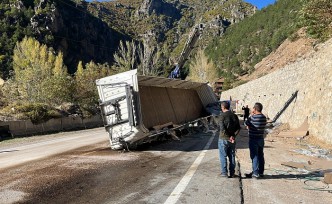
{"x":288,"y":52}
{"x":248,"y":42}
{"x":92,"y":31}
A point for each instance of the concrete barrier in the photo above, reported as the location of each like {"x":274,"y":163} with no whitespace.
{"x":71,"y":123}
{"x":27,"y":128}
{"x":53,"y":125}
{"x":94,"y":121}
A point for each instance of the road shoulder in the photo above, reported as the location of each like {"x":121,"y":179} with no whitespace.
{"x":282,"y":184}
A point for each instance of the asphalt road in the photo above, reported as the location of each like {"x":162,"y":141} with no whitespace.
{"x":79,"y":167}
{"x":63,"y":142}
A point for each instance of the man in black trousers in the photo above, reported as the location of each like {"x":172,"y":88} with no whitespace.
{"x":246,"y":113}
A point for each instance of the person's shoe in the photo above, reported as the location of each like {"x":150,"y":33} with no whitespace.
{"x":261,"y":175}
{"x":255,"y":176}
{"x":223,"y":175}
{"x":248,"y":175}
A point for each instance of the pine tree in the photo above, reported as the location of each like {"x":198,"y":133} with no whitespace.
{"x":80,"y":68}
{"x":59,"y":68}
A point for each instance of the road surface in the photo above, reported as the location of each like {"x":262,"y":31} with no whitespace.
{"x":11,"y":156}
{"x":79,"y":167}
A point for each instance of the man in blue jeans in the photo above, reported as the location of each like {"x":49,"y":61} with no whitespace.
{"x":256,"y":125}
{"x":229,"y":127}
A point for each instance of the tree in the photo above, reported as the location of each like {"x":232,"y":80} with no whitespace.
{"x":39,"y":74}
{"x":316,"y":15}
{"x":201,"y":69}
{"x":86,"y":95}
{"x":132,"y":56}
{"x":59,"y":85}
{"x":80,"y":68}
{"x":126,"y":58}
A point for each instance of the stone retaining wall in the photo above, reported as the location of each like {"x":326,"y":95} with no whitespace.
{"x":26,"y":128}
{"x":311,"y":76}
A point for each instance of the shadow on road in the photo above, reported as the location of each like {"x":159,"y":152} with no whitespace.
{"x":188,"y":143}
{"x":194,"y":141}
{"x":7,"y":151}
{"x":314,"y":175}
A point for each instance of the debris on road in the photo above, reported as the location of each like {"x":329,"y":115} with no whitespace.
{"x":298,"y":165}
{"x":315,"y":151}
{"x":328,"y":178}
{"x":298,"y":133}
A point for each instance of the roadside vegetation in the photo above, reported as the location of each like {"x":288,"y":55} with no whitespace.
{"x":39,"y":85}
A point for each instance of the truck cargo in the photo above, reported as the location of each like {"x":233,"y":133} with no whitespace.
{"x":136,"y":109}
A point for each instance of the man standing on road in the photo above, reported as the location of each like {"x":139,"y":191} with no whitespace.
{"x":256,"y":125}
{"x":229,"y":127}
{"x":246,"y":113}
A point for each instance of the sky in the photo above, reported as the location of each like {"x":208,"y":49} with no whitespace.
{"x":259,"y":3}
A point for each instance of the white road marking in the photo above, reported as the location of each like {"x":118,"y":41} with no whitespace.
{"x":178,"y":190}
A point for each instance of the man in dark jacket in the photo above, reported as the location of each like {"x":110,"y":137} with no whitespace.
{"x":246,"y":112}
{"x":229,"y":127}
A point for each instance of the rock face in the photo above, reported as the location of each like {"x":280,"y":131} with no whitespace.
{"x":311,"y":77}
{"x":239,"y":14}
{"x":159,"y":7}
{"x":78,"y":34}
{"x":42,"y":23}
{"x":17,"y":4}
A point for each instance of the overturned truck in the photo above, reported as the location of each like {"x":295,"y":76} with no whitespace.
{"x":136,"y":109}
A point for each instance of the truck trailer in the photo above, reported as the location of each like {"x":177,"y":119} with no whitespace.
{"x":137,"y":109}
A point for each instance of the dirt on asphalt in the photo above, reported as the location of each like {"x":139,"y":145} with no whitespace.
{"x":66,"y":178}
{"x":96,"y":174}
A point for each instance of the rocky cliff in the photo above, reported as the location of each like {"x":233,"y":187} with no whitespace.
{"x":159,"y":7}
{"x":77,"y":33}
